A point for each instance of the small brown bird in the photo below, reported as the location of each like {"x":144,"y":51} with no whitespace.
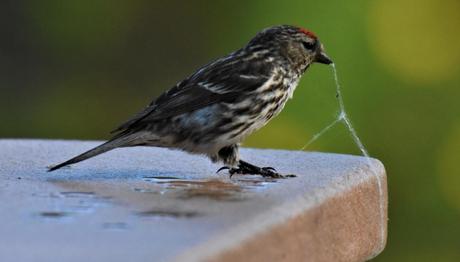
{"x":218,"y":106}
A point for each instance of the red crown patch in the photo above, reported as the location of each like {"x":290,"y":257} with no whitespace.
{"x":308,"y":33}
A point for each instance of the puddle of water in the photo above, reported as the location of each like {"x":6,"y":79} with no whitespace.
{"x":147,"y":190}
{"x":46,"y":195}
{"x":213,"y":189}
{"x":168,"y":213}
{"x":77,"y":194}
{"x":152,"y":178}
{"x":83,"y":201}
{"x":53,"y":214}
{"x":67,"y":204}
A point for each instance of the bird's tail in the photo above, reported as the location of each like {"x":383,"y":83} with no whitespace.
{"x":118,"y":141}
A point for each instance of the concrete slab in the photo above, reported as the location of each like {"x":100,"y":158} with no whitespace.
{"x":152,"y":204}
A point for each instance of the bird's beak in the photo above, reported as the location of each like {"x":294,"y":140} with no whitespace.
{"x":321,"y":56}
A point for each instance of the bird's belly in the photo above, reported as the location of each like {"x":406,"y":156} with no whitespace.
{"x":207,"y":130}
{"x":254,"y":120}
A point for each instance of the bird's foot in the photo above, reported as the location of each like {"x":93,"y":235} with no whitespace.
{"x":245,"y":168}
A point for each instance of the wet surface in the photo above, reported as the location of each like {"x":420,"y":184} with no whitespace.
{"x":132,"y":205}
{"x":145,"y":198}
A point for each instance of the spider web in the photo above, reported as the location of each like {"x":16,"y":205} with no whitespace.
{"x":342,"y":117}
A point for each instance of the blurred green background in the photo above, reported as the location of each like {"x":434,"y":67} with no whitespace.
{"x":76,"y":69}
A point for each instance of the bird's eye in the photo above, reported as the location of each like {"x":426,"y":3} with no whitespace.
{"x":308,"y":45}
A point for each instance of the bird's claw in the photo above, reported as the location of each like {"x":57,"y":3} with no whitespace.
{"x":223,"y":168}
{"x":247,"y":169}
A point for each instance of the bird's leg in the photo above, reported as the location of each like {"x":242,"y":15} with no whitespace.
{"x":229,"y":155}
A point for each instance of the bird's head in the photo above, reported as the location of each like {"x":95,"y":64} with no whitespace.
{"x":298,"y":46}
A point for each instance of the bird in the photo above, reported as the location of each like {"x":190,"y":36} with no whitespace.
{"x":214,"y":109}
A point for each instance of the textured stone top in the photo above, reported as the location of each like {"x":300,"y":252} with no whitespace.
{"x":152,"y":204}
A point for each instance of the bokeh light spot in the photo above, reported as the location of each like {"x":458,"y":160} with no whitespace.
{"x":417,"y":39}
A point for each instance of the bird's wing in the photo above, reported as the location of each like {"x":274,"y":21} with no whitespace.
{"x":224,"y":80}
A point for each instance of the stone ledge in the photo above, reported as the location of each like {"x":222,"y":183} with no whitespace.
{"x":141,"y":204}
